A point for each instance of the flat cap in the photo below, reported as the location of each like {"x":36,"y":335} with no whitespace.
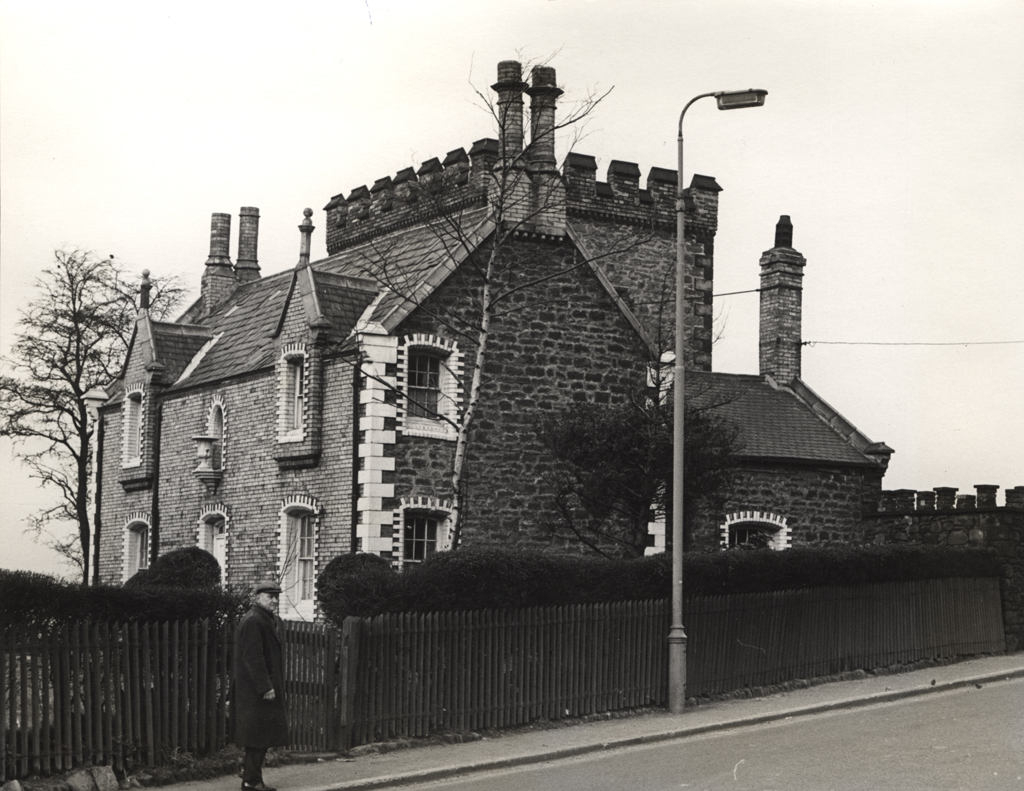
{"x":268,"y":587}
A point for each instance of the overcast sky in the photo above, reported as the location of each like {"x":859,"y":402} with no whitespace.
{"x":892,"y":135}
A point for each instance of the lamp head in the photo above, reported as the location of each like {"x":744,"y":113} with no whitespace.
{"x":735,"y":100}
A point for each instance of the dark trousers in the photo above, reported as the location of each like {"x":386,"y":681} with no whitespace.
{"x":252,"y":766}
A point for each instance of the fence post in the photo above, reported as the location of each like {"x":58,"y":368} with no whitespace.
{"x":348,"y":665}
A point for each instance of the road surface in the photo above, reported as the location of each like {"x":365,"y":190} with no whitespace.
{"x":971,"y":739}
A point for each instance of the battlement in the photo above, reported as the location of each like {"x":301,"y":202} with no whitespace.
{"x":465,"y":180}
{"x":521,"y":183}
{"x":945,"y":498}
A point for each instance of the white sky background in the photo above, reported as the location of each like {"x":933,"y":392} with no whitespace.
{"x":892,"y":135}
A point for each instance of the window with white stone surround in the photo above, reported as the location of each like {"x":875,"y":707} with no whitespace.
{"x":297,"y":566}
{"x":212,"y":535}
{"x":421,"y":527}
{"x":132,"y":426}
{"x":136,"y":548}
{"x":754,"y":530}
{"x":430,"y":372}
{"x":291,"y":385}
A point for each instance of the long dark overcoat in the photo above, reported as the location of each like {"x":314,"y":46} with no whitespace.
{"x":259,"y":667}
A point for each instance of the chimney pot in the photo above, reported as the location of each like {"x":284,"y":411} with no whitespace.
{"x":220,"y":240}
{"x":510,"y":87}
{"x":247,"y":267}
{"x":784,"y":232}
{"x":543,"y":98}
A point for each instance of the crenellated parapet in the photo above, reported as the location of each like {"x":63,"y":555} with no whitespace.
{"x":947,"y":499}
{"x":620,"y":198}
{"x":521,"y":183}
{"x":411,"y":196}
{"x":462,"y":180}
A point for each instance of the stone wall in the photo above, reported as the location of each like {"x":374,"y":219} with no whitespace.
{"x":942,"y":517}
{"x":562,"y":342}
{"x":821,"y":505}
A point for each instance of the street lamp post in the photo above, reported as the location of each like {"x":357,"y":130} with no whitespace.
{"x":727,"y":100}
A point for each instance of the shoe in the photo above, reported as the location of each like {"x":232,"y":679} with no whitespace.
{"x":257,"y":787}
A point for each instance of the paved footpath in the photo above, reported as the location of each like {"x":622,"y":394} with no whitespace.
{"x":419,"y":764}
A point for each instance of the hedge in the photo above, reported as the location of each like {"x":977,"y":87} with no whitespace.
{"x":42,"y":600}
{"x":499,"y":578}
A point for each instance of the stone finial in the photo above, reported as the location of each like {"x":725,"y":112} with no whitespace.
{"x":784,"y":232}
{"x":306,"y":229}
{"x":144,"y":290}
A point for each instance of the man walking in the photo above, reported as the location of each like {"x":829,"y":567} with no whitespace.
{"x":260,"y":716}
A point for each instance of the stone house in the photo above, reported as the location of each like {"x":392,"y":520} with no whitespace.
{"x":286,"y":419}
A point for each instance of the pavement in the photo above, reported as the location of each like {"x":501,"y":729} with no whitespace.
{"x":521,"y":748}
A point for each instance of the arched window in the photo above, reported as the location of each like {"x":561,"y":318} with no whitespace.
{"x":131,"y":442}
{"x":217,"y":432}
{"x":136,"y":546}
{"x":754,"y":530}
{"x":297,"y":560}
{"x":291,"y":411}
{"x":213,"y":537}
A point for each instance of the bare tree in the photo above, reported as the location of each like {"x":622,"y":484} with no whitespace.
{"x":485,"y":264}
{"x":72,"y":338}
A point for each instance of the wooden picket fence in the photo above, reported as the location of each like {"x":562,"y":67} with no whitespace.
{"x":129,"y":695}
{"x":113,"y":694}
{"x":415,"y":674}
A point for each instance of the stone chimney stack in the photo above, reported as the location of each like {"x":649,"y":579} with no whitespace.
{"x":219,"y":278}
{"x":248,"y":269}
{"x":543,"y":98}
{"x":781,"y":290}
{"x":510,"y":87}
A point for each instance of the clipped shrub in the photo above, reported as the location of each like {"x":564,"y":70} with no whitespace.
{"x":362,"y":584}
{"x":502,"y":578}
{"x":189,"y":567}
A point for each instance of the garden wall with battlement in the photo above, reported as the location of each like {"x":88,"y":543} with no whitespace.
{"x":944,"y":516}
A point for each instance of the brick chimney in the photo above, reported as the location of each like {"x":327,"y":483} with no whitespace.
{"x":219,"y":278}
{"x":543,"y":98}
{"x":547,"y":191}
{"x":510,"y":87}
{"x":248,"y":269}
{"x":780,"y":332}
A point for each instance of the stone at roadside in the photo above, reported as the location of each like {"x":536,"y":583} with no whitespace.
{"x":104,"y":778}
{"x":82,"y":780}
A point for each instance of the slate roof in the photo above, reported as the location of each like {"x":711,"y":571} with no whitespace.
{"x":176,"y":345}
{"x":409,"y":263}
{"x":775,"y":423}
{"x":239,"y":333}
